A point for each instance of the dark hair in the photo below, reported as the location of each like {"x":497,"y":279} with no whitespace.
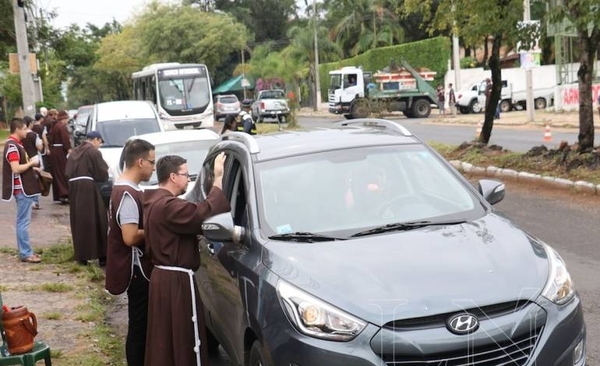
{"x":229,"y":123}
{"x":133,"y":150}
{"x":16,"y":123}
{"x":166,"y":165}
{"x":28,"y":121}
{"x":39,"y":116}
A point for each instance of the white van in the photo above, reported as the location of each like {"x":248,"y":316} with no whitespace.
{"x":118,"y":121}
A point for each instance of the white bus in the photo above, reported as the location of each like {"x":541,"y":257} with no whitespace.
{"x":181,"y":92}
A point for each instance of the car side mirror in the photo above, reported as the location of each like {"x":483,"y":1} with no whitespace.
{"x":492,"y":190}
{"x":221,"y":228}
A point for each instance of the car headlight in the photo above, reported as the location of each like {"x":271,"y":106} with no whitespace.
{"x":559,"y":288}
{"x":315,"y":317}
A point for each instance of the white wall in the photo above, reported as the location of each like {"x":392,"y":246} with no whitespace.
{"x":566,"y":97}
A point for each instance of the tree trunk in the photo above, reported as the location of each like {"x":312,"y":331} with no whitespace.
{"x":484,"y":60}
{"x":587,"y":51}
{"x":492,"y":103}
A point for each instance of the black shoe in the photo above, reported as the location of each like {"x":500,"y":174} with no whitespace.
{"x":64,"y":201}
{"x":83,"y":263}
{"x":102,"y":262}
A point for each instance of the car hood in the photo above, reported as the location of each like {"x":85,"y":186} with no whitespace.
{"x":111,"y":155}
{"x":418,"y":273}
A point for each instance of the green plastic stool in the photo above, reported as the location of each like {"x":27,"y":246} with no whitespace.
{"x":40,"y":351}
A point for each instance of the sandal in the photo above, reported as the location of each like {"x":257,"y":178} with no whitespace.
{"x":32,"y":259}
{"x":36,"y":206}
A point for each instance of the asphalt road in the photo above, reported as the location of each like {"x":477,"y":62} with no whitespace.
{"x":514,"y":138}
{"x":569,"y":223}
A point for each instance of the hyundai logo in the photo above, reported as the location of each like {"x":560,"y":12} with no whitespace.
{"x":464,"y":323}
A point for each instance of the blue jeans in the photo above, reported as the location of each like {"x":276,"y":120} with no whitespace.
{"x":24,"y":204}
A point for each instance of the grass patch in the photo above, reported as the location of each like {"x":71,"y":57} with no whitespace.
{"x":4,"y":134}
{"x":55,"y":287}
{"x":3,"y":288}
{"x":9,"y":251}
{"x":560,"y":163}
{"x":54,"y":315}
{"x":58,"y":254}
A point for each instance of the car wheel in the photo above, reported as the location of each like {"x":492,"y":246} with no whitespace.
{"x":464,"y":110}
{"x":474,"y":106}
{"x":540,"y":103}
{"x":256,"y":355}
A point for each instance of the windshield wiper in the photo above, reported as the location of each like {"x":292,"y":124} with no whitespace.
{"x":304,"y":237}
{"x":405,"y":226}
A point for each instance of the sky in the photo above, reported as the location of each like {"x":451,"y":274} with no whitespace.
{"x":97,"y":12}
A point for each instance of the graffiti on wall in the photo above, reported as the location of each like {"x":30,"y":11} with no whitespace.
{"x":570,"y":96}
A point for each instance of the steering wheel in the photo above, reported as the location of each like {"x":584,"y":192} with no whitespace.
{"x":403,"y":199}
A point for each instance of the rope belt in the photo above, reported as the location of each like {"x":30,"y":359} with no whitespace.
{"x":80,"y":178}
{"x":194,"y":312}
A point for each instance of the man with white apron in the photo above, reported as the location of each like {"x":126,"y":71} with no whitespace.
{"x":176,"y":333}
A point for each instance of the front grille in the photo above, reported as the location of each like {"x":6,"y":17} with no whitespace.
{"x":439,"y":320}
{"x":514,"y":352}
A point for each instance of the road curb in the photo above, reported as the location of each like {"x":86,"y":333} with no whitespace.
{"x":580,"y":187}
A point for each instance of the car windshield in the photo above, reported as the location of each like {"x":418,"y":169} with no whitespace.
{"x":82,"y":116}
{"x":115,"y":133}
{"x":335,"y":81}
{"x":272,"y":94}
{"x":345,"y":192}
{"x":193,"y":151}
{"x":228,"y":99}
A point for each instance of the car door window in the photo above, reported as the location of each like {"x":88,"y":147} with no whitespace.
{"x":236,"y":192}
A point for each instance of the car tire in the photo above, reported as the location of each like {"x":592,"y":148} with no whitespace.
{"x":540,"y":103}
{"x":474,"y":106}
{"x":256,"y":356}
{"x":464,"y":110}
{"x":348,"y":116}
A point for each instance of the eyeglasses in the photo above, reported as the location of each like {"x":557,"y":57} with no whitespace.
{"x":187,"y":175}
{"x":150,"y":161}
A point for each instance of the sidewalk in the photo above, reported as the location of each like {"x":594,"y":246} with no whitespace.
{"x":59,"y":298}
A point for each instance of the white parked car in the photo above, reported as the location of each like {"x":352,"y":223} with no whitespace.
{"x":118,"y":121}
{"x":192,"y":145}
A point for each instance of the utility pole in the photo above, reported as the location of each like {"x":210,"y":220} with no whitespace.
{"x":455,"y":61}
{"x":317,"y":83}
{"x":528,"y":71}
{"x":23,"y":54}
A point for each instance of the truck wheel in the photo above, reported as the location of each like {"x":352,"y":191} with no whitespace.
{"x":474,"y":106}
{"x":540,"y":103}
{"x":505,"y":106}
{"x":421,"y":108}
{"x":359,"y":109}
{"x":408,"y":114}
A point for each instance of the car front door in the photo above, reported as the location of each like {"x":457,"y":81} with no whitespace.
{"x":222,"y":276}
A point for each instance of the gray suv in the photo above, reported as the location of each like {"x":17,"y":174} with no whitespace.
{"x":360,"y":245}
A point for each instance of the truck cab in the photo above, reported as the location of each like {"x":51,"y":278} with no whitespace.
{"x":346,"y":85}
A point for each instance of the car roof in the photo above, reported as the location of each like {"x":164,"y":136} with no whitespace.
{"x":173,"y":136}
{"x":124,"y":109}
{"x":357,"y":133}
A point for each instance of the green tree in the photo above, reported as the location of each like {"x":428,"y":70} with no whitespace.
{"x":169,"y":33}
{"x":364,"y":24}
{"x":582,"y":16}
{"x":474,"y":21}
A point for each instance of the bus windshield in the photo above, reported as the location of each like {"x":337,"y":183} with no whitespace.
{"x":182,"y":90}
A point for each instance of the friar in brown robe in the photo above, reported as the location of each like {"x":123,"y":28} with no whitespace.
{"x":170,"y":228}
{"x":60,"y":147}
{"x":89,"y":221}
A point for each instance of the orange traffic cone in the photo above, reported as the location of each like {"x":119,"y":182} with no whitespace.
{"x":547,"y":134}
